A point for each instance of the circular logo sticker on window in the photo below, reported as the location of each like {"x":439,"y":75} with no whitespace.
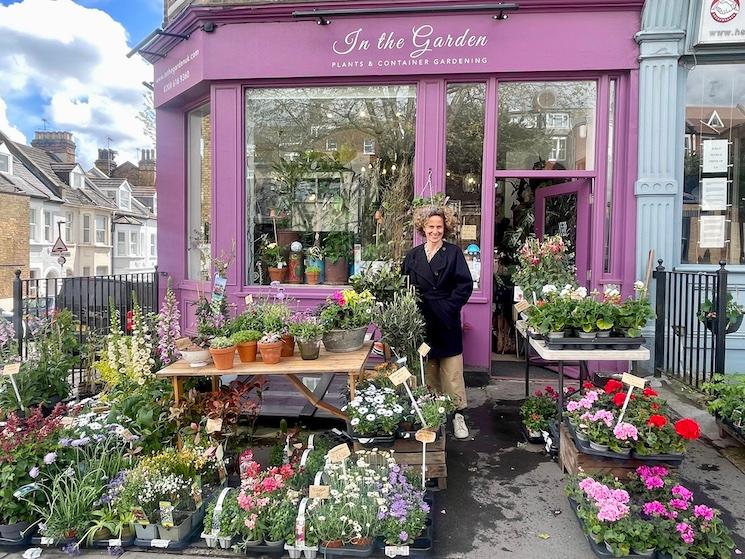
{"x":724,"y":10}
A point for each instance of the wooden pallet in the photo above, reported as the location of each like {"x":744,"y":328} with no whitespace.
{"x":572,"y":460}
{"x":409,"y":452}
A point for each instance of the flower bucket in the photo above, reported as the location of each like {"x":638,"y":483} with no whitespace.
{"x":177,"y":533}
{"x":309,"y":350}
{"x":313,"y":278}
{"x":274,"y":545}
{"x":600,"y":447}
{"x":288,"y":345}
{"x":310,"y":552}
{"x":337,"y":273}
{"x":223,"y":357}
{"x":247,"y":352}
{"x":644,"y":552}
{"x":342,"y":341}
{"x":271,"y":353}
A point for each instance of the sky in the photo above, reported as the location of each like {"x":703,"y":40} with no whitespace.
{"x":65,"y":61}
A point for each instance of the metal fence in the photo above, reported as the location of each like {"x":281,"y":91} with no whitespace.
{"x":691,"y":323}
{"x":90,"y":299}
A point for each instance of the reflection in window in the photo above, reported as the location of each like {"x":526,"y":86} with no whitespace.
{"x":463,"y":166}
{"x":331,"y":168}
{"x":609,"y":177}
{"x":547,"y":125}
{"x":714,"y":187}
{"x":199,"y":200}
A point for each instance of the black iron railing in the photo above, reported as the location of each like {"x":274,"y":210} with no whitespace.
{"x":691,"y":323}
{"x":90,"y":300}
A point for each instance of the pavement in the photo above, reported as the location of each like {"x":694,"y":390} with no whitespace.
{"x":505,"y":498}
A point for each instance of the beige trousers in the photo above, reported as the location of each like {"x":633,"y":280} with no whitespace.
{"x":445,"y":375}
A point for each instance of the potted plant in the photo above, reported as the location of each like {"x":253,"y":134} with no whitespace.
{"x":537,"y":411}
{"x":313,"y":275}
{"x":624,"y":437}
{"x":270,"y":348}
{"x":197,"y":354}
{"x":551,"y":315}
{"x":599,"y":428}
{"x":271,"y":255}
{"x":346,"y":316}
{"x":374,"y":413}
{"x":245,"y":341}
{"x":635,"y":312}
{"x":435,"y":409}
{"x":542,"y":263}
{"x":384,"y":282}
{"x":314,"y":259}
{"x":308,"y":331}
{"x":707,"y":314}
{"x":584,"y":317}
{"x":606,"y":318}
{"x":401,"y":324}
{"x":337,"y":247}
{"x":324,"y":523}
{"x":278,"y":521}
{"x":222,"y":350}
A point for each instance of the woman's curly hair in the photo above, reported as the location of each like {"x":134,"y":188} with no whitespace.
{"x":422,"y":214}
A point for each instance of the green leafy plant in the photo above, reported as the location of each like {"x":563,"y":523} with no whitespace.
{"x":540,"y":263}
{"x":306,"y":328}
{"x":384,"y":283}
{"x":435,"y":408}
{"x":726,"y":397}
{"x":585,"y":315}
{"x":337,"y":245}
{"x":539,"y":409}
{"x":271,"y":255}
{"x":707,"y":311}
{"x":313,"y":270}
{"x":347,"y":310}
{"x":221,"y":342}
{"x":244,"y":336}
{"x":635,"y":312}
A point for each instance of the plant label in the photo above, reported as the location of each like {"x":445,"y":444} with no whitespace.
{"x":319,"y":491}
{"x":214,"y":425}
{"x":632,"y":380}
{"x":522,"y":306}
{"x":339,"y":453}
{"x":160,"y":543}
{"x":424,"y":350}
{"x":182,"y":343}
{"x":115,"y":542}
{"x":12,"y":369}
{"x":425,"y":436}
{"x":196,"y":491}
{"x":166,"y":514}
{"x":249,"y":299}
{"x":397,"y":551}
{"x":400,"y":376}
{"x":45,"y":540}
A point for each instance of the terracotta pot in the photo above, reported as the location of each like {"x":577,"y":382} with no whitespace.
{"x":361,"y":542}
{"x":286,"y":237}
{"x":312,"y":278}
{"x":271,"y":353}
{"x":247,"y":352}
{"x":334,"y":544}
{"x":337,"y":273}
{"x":223,"y":357}
{"x":278,"y":274}
{"x":288,"y":345}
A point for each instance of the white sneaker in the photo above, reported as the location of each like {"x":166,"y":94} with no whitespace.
{"x":460,"y":430}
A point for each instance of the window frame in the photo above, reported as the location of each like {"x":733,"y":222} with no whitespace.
{"x":134,"y":243}
{"x":121,"y":243}
{"x":8,"y":163}
{"x":153,"y":245}
{"x":33,"y":225}
{"x":47,"y":225}
{"x":102,"y":230}
{"x":87,"y":229}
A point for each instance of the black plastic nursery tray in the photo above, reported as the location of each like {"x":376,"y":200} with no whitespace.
{"x":726,"y":424}
{"x":12,"y":545}
{"x":594,"y":343}
{"x":263,"y":549}
{"x":347,"y":551}
{"x":170,"y":544}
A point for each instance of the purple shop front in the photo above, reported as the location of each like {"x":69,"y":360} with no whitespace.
{"x":272,"y":127}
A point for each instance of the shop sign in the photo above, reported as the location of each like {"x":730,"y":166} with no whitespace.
{"x":722,"y":22}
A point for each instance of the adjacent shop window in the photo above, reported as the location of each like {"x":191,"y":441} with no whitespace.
{"x":547,"y":125}
{"x":714,"y":168}
{"x":327,"y":167}
{"x":609,"y":177}
{"x":466,"y":106}
{"x":199,"y":195}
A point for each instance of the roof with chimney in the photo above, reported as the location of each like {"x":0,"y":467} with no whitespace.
{"x":138,"y":209}
{"x":22,"y":181}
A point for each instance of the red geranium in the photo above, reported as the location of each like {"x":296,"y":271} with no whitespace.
{"x":657,"y":421}
{"x":613,"y":386}
{"x":655,"y":406}
{"x":587,"y":385}
{"x":650,"y":392}
{"x":619,"y":398}
{"x":687,"y":428}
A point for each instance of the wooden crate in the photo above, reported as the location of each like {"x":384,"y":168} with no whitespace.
{"x":572,"y":460}
{"x":409,"y":452}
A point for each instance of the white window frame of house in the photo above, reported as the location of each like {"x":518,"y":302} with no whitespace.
{"x":33,"y":225}
{"x":153,"y":245}
{"x":121,"y":243}
{"x":76,"y":179}
{"x":68,"y":227}
{"x":48,"y":226}
{"x":102,"y":270}
{"x":143,"y":249}
{"x":6,"y":163}
{"x":32,"y":275}
{"x":557,"y":121}
{"x":368,"y":147}
{"x":559,"y":149}
{"x":133,"y":241}
{"x":101,"y":239}
{"x":331,"y":144}
{"x":125,"y":199}
{"x":87,"y":228}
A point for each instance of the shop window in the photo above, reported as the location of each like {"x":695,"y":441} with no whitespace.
{"x":102,"y":270}
{"x":199,"y":199}
{"x":713,"y":227}
{"x":529,"y":115}
{"x":300,"y":191}
{"x":466,"y":109}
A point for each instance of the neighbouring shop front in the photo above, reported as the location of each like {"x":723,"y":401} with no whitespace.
{"x":323,"y":130}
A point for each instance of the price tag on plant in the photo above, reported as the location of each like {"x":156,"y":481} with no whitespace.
{"x":160,"y":543}
{"x":339,"y":453}
{"x":115,"y":542}
{"x":182,"y":343}
{"x":424,"y":350}
{"x":249,"y":299}
{"x":632,"y":380}
{"x":397,"y":551}
{"x":319,"y":491}
{"x":12,"y":369}
{"x":522,"y":306}
{"x":214,"y":425}
{"x":166,"y":513}
{"x":45,"y":540}
{"x":400,"y":376}
{"x":425,"y":436}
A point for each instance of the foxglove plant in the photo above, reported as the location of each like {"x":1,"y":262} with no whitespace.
{"x":169,"y":328}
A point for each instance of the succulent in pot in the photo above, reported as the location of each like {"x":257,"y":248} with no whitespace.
{"x":246,"y":342}
{"x":222,"y":350}
{"x":270,"y":347}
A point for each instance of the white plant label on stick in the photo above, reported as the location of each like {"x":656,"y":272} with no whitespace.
{"x":115,"y":543}
{"x":522,"y":305}
{"x":397,"y":551}
{"x":400,"y":376}
{"x":11,"y":371}
{"x":423,"y":350}
{"x":339,"y":453}
{"x":425,"y":436}
{"x":633,"y":382}
{"x":160,"y":543}
{"x":319,"y":491}
{"x":249,"y":299}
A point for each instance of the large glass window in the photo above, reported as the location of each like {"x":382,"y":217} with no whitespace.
{"x":466,"y":105}
{"x":327,"y":167}
{"x":547,"y":125}
{"x":714,"y":169}
{"x":199,"y":199}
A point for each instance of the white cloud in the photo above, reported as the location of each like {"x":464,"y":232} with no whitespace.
{"x":74,"y":58}
{"x":11,"y":131}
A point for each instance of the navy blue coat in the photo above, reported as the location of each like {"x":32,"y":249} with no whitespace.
{"x":444,"y":285}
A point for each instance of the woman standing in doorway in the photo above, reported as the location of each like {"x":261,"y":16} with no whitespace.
{"x":443,"y":281}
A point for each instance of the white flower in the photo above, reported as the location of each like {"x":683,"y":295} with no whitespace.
{"x":550,"y":288}
{"x":355,"y":421}
{"x":370,"y":417}
{"x":440,"y":410}
{"x":363,"y":410}
{"x":638,"y":285}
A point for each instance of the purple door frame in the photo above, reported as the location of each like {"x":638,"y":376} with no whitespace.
{"x":582,"y":189}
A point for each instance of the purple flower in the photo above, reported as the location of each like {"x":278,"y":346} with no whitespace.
{"x":686,"y":532}
{"x":404,"y":537}
{"x":64,"y":442}
{"x":682,"y":492}
{"x":679,"y":504}
{"x":72,"y":549}
{"x":50,"y":458}
{"x":702,"y":511}
{"x":116,"y":551}
{"x":34,"y":472}
{"x":653,"y":482}
{"x":654,"y":508}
